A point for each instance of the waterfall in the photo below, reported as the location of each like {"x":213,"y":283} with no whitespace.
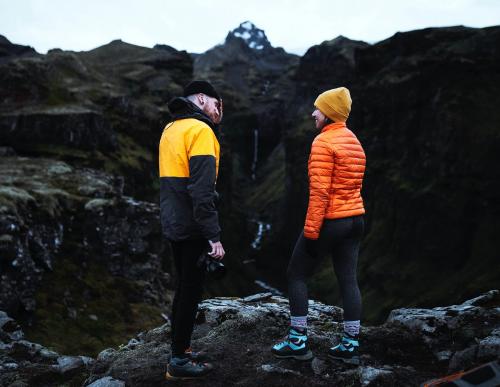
{"x":262,"y":228}
{"x":58,"y":237}
{"x":255,"y":151}
{"x":268,"y":287}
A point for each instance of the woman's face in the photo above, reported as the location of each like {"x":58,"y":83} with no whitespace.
{"x":319,"y":118}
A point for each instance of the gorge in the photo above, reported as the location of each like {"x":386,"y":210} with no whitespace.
{"x":82,"y":263}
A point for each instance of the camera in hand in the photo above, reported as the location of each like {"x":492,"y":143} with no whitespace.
{"x":214,"y":267}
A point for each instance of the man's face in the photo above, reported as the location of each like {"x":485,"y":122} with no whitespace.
{"x":213,"y":108}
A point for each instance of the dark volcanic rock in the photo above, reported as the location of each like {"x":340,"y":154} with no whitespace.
{"x":9,"y":50}
{"x":254,"y":37}
{"x":23,"y":363}
{"x":103,"y":108}
{"x":249,"y":77}
{"x":73,"y":127}
{"x":424,"y":108}
{"x":254,"y":83}
{"x":400,"y":352}
{"x":428,"y":119}
{"x":330,"y":63}
{"x":456,"y":333}
{"x":66,"y":234}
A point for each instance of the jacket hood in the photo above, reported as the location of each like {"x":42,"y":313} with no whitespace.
{"x":182,"y":108}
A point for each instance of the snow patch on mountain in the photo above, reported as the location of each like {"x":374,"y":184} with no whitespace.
{"x":254,"y":37}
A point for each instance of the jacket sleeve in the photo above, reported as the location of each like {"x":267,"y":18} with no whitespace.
{"x":320,"y":168}
{"x":201,"y":184}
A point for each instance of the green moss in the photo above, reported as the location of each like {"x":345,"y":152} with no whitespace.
{"x":60,"y":168}
{"x":7,"y":206}
{"x":130,"y":155}
{"x":131,"y":149}
{"x":155,"y":185}
{"x":270,"y":189}
{"x":82,"y":310}
{"x":15,"y":195}
{"x":51,"y":200}
{"x":58,"y":96}
{"x":98,"y":204}
{"x":58,"y":151}
{"x":13,"y":198}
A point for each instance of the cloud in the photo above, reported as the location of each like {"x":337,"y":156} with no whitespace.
{"x":197,"y":25}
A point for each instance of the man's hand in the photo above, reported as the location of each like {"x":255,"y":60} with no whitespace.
{"x":217,"y":250}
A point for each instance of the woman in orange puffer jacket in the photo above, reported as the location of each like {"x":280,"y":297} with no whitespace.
{"x":334,"y":225}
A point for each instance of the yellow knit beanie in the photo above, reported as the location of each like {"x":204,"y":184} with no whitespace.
{"x":335,"y":103}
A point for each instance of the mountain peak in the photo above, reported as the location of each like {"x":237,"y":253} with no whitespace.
{"x":254,"y":37}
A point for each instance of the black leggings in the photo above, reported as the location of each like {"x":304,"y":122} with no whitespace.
{"x":190,"y":279}
{"x":340,"y":238}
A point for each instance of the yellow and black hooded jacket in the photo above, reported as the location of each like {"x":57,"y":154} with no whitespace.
{"x":189,"y":164}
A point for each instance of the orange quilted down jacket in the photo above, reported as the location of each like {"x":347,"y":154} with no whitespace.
{"x":336,"y":167}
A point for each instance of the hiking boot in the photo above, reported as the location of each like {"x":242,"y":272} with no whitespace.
{"x":294,"y":346}
{"x":196,"y":356}
{"x":184,"y":368}
{"x":347,"y":350}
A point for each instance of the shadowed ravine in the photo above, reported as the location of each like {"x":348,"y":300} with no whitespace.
{"x":83,"y":266}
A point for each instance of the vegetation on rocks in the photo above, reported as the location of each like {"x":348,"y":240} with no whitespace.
{"x":412,"y":346}
{"x":80,"y":235}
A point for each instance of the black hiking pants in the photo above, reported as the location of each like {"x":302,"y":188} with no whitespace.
{"x":339,"y":238}
{"x":189,"y":289}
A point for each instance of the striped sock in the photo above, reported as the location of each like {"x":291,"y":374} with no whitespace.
{"x":299,"y":322}
{"x":352,"y":328}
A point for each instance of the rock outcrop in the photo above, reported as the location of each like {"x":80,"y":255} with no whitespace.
{"x":8,"y":49}
{"x":254,"y":37}
{"x":425,"y":108}
{"x":103,"y":108}
{"x":412,"y":346}
{"x":462,"y":335}
{"x":23,"y":363}
{"x":69,"y":239}
{"x":254,"y":79}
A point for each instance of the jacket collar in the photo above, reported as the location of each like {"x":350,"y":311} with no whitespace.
{"x":334,"y":125}
{"x":182,"y":108}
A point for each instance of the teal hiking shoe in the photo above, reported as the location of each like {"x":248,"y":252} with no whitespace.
{"x":347,"y":350}
{"x":181,"y":368}
{"x":294,"y":346}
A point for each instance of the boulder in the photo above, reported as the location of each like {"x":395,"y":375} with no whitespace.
{"x":237,"y":336}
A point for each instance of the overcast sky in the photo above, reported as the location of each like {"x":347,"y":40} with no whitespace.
{"x":197,"y":25}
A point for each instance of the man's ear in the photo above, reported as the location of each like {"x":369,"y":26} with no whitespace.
{"x":201,"y":99}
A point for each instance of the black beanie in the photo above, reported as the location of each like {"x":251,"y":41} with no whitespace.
{"x":204,"y":87}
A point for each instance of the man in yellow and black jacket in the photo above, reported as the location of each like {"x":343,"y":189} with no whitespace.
{"x":189,"y":163}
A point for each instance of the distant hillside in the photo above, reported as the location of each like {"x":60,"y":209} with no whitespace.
{"x":424,"y":106}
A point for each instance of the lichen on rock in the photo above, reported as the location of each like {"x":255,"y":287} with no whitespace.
{"x":237,"y":336}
